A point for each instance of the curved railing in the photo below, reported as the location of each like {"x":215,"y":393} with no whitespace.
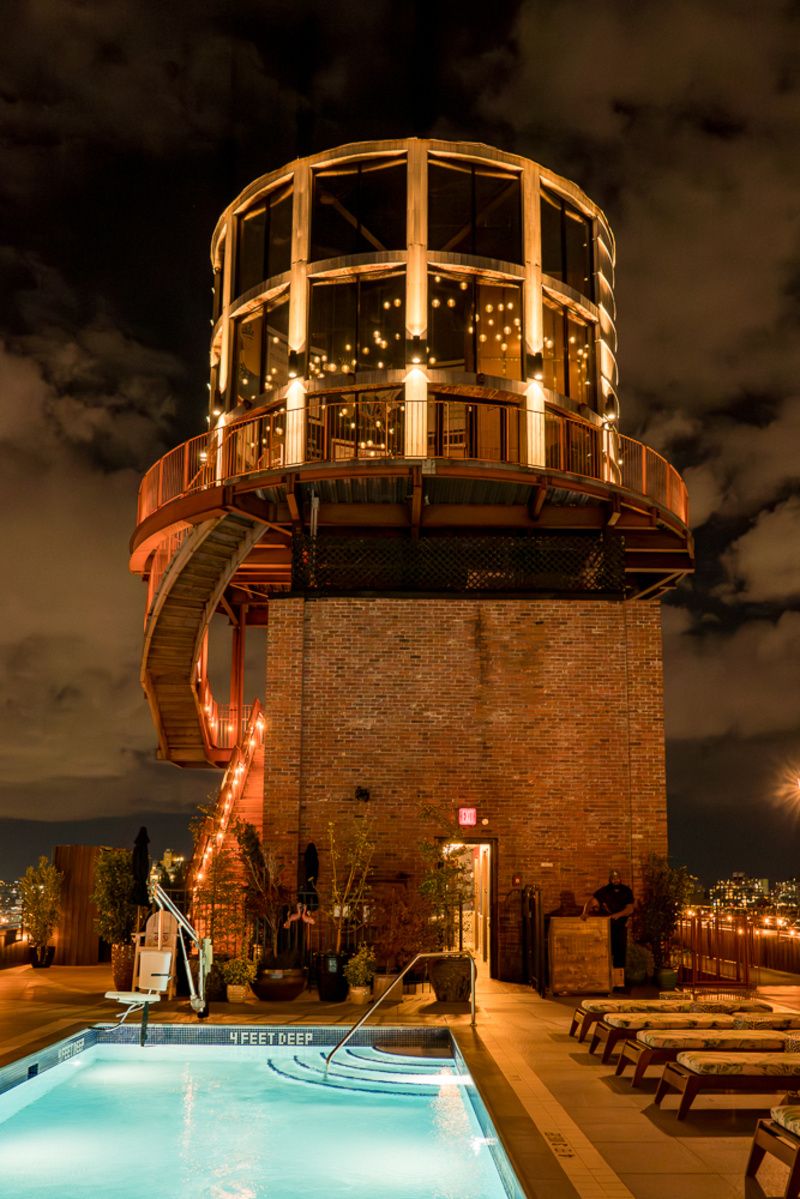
{"x":371,"y":426}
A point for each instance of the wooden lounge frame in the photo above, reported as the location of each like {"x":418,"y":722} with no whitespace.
{"x":771,"y":1138}
{"x":689,"y":1085}
{"x":642,"y":1056}
{"x":609,"y":1037}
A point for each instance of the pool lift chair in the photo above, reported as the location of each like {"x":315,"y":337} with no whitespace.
{"x":140,"y":1001}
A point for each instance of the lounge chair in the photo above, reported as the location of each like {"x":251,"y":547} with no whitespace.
{"x":625,"y":1026}
{"x":780,"y":1137}
{"x":655,"y":1046}
{"x":694,"y":1073}
{"x":592,"y":1010}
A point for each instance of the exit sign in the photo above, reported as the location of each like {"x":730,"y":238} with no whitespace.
{"x":467,"y":817}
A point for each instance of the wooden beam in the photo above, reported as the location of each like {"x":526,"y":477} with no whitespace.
{"x":537,"y":501}
{"x":416,"y":500}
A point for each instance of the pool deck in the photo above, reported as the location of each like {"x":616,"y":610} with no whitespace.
{"x":572,"y":1129}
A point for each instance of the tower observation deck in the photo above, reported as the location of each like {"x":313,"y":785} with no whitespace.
{"x":413,"y":472}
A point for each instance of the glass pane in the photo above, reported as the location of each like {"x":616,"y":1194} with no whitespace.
{"x":332,"y":329}
{"x":279,"y":251}
{"x":249,"y":344}
{"x":382,"y":207}
{"x":449,"y":207}
{"x":498,"y":230}
{"x":250,"y":263}
{"x":489,"y":435}
{"x":381,"y":323}
{"x":580,"y":359}
{"x":499,"y":321}
{"x":451,"y":330}
{"x":550,"y":209}
{"x":277,"y":343}
{"x":334,"y":217}
{"x":553,"y":347}
{"x":578,"y":240}
{"x":216,"y":309}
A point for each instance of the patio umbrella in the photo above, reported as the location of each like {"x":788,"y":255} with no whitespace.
{"x":140,"y":867}
{"x":307,"y":891}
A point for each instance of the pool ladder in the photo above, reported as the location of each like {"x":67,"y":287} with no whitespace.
{"x":455,"y":953}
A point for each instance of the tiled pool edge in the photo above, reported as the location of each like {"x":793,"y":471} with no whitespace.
{"x":518,"y":1135}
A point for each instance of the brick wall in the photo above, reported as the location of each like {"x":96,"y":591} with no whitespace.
{"x":545,"y":715}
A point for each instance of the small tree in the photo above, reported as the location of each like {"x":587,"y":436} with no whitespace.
{"x":113,"y":885}
{"x":657,"y":912}
{"x":218,"y":891}
{"x":40,"y":894}
{"x":266,"y":897}
{"x":351,"y":866}
{"x":447,"y":880}
{"x":402,"y":929}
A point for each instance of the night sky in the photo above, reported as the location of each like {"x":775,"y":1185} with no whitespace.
{"x":126,"y":129}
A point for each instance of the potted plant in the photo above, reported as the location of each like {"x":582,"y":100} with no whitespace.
{"x":40,"y":897}
{"x":447,"y":886}
{"x":638,"y":964}
{"x":350,"y":869}
{"x":280,"y":972}
{"x":402,"y":929}
{"x":116,"y":915}
{"x":238,"y":974}
{"x":359,"y":972}
{"x":218,"y":894}
{"x":656,"y":915}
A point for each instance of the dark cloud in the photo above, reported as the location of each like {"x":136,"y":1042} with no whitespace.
{"x":126,"y":129}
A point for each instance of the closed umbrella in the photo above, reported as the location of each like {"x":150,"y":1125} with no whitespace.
{"x":140,"y":868}
{"x":307,"y":892}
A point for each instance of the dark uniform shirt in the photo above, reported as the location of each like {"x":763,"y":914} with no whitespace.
{"x":613,"y":898}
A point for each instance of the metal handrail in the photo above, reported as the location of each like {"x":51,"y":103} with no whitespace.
{"x":444,"y":953}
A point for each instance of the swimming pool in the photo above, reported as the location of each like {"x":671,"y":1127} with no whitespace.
{"x":247,"y":1112}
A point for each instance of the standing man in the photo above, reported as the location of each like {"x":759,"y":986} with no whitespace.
{"x":615,"y":902}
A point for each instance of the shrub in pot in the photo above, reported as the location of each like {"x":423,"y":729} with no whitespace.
{"x":638,"y":964}
{"x":447,"y":886}
{"x":116,"y":915}
{"x":40,"y":896}
{"x":402,"y":928}
{"x":359,"y":972}
{"x":656,"y":915}
{"x":238,"y":974}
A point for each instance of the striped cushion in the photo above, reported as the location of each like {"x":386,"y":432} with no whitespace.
{"x":788,"y":1116}
{"x":665,"y":1020}
{"x":751,"y":1065}
{"x":757,"y":1040}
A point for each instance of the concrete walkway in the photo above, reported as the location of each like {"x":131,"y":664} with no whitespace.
{"x":572,"y":1129}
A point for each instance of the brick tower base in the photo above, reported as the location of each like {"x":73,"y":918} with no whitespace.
{"x":545,"y":715}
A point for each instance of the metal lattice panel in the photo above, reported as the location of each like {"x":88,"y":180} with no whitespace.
{"x":550,"y":564}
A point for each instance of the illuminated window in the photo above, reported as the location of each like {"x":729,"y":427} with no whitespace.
{"x":261,"y":351}
{"x":568,"y":352}
{"x":474,"y":209}
{"x":358,"y":324}
{"x":359,"y":208}
{"x":265,"y":240}
{"x":566,"y":243}
{"x":474,"y":326}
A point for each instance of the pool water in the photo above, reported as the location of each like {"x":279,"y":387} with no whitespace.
{"x":187,"y":1121}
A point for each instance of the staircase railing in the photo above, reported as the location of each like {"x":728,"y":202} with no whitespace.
{"x":377,"y":1003}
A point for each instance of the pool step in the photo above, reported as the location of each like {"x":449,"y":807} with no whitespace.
{"x":360,"y":1071}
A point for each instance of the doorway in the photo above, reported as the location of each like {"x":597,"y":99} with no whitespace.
{"x":473,"y":930}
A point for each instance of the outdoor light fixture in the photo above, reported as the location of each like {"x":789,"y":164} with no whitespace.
{"x":293,"y":364}
{"x":362,"y":793}
{"x":414,"y":350}
{"x":535,"y":366}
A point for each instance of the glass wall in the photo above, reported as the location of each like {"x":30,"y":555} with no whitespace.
{"x":359,"y":208}
{"x":566,"y":243}
{"x":367,"y":424}
{"x":357,"y":324}
{"x":261,"y":352}
{"x":264,"y":240}
{"x":474,"y":209}
{"x":568,"y":353}
{"x":474,"y":325}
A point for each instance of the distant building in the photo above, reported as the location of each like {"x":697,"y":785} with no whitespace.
{"x":10,"y":904}
{"x":785,"y":896}
{"x":740,"y":892}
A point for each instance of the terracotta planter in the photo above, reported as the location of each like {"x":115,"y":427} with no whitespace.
{"x":277,"y":985}
{"x":122,"y":966}
{"x":236,"y":993}
{"x":360,"y":995}
{"x":450,"y":979}
{"x":381,"y":984}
